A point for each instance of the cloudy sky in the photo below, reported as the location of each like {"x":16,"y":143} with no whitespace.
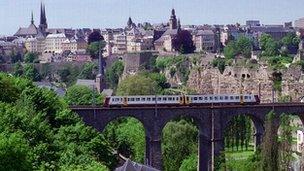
{"x":114,"y":13}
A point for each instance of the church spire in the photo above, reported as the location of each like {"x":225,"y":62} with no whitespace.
{"x":32,"y":18}
{"x":43,"y":23}
{"x":173,"y":20}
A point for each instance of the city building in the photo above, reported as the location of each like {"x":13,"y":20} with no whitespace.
{"x":204,"y":40}
{"x":299,"y":23}
{"x":53,"y":43}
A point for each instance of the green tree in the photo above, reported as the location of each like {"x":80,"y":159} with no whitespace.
{"x":31,"y":72}
{"x":89,"y":71}
{"x":18,"y":69}
{"x":128,"y":137}
{"x":285,"y":143}
{"x":94,"y":48}
{"x":31,"y":57}
{"x":114,"y":73}
{"x":68,"y":74}
{"x":82,"y":95}
{"x":15,"y":153}
{"x":189,"y":164}
{"x":264,"y":39}
{"x":137,"y":85}
{"x":230,"y":51}
{"x":244,"y":46}
{"x":291,"y":42}
{"x":179,"y":141}
{"x":269,"y":153}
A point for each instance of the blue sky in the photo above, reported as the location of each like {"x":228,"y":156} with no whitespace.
{"x":114,"y":13}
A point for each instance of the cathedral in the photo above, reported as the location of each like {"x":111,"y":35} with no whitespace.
{"x":32,"y":30}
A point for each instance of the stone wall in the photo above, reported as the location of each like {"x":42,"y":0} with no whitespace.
{"x":235,"y":80}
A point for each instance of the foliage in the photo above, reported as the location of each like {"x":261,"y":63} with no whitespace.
{"x":242,"y":46}
{"x":89,"y":71}
{"x":269,"y":147}
{"x":15,"y":153}
{"x":95,"y":36}
{"x":127,"y":135}
{"x":16,"y":57}
{"x":137,"y":85}
{"x":82,"y":95}
{"x":285,"y":143}
{"x":41,"y":133}
{"x":31,"y":72}
{"x":183,"y":42}
{"x":220,"y":63}
{"x":31,"y":57}
{"x":291,"y":42}
{"x":189,"y":164}
{"x":238,"y":133}
{"x":68,"y":74}
{"x":114,"y":73}
{"x":180,"y":135}
{"x":94,"y":48}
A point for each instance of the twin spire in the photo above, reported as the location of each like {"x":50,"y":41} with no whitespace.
{"x":43,"y":21}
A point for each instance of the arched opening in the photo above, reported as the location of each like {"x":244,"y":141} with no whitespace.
{"x":126,"y":135}
{"x":290,"y":143}
{"x":242,"y":135}
{"x":180,"y":144}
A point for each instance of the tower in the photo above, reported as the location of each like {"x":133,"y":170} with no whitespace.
{"x":43,"y":22}
{"x":179,"y":26}
{"x":173,"y":20}
{"x":130,"y":22}
{"x":32,"y":18}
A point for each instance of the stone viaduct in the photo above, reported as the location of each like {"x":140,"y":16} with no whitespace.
{"x":211,"y":121}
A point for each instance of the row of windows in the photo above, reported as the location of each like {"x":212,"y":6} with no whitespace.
{"x":180,"y":98}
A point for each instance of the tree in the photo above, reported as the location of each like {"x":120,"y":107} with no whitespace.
{"x":230,"y":51}
{"x":89,"y":71}
{"x":16,"y":57}
{"x":114,"y":73}
{"x":18,"y":69}
{"x":291,"y":42}
{"x":82,"y":95}
{"x":268,"y":45}
{"x":136,"y":85}
{"x":95,"y":47}
{"x":15,"y":153}
{"x":95,"y":36}
{"x":31,"y":72}
{"x":244,"y":46}
{"x":189,"y":164}
{"x":31,"y":57}
{"x":183,"y":42}
{"x":269,"y":153}
{"x":181,"y":135}
{"x":264,"y":39}
{"x":285,"y":143}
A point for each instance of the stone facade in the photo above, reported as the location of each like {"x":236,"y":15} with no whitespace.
{"x":236,"y":80}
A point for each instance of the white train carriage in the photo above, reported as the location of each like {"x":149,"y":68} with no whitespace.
{"x":179,"y":100}
{"x":144,"y":100}
{"x":223,"y":98}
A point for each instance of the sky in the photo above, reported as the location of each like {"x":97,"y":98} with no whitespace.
{"x":115,"y":13}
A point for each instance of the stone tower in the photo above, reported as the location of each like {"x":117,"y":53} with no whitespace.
{"x":173,"y":20}
{"x":43,"y":22}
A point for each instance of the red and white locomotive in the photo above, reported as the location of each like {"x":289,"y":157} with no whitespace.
{"x":180,"y":100}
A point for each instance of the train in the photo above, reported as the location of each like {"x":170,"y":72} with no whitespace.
{"x":181,"y":100}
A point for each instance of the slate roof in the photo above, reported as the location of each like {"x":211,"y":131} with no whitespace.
{"x":30,"y":31}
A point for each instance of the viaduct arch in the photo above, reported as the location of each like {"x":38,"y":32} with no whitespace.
{"x":211,"y":121}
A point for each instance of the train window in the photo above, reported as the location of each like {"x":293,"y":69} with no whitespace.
{"x":132,"y":99}
{"x":170,"y":98}
{"x":226,"y":97}
{"x":237,"y":97}
{"x":153,"y":99}
{"x":159,"y":99}
{"x":137,"y":99}
{"x":148,"y":99}
{"x":215,"y":98}
{"x":210,"y":98}
{"x":231,"y":97}
{"x":221,"y":97}
{"x":165,"y":98}
{"x":249,"y":97}
{"x":206,"y":98}
{"x":143,"y":99}
{"x":246,"y":97}
{"x":173,"y":98}
{"x":195,"y":98}
{"x":200,"y":98}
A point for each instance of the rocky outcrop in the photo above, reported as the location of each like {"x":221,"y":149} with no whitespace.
{"x":235,"y":80}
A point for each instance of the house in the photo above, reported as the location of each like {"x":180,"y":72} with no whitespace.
{"x":204,"y":40}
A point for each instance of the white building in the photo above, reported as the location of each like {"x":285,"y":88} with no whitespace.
{"x":53,"y":43}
